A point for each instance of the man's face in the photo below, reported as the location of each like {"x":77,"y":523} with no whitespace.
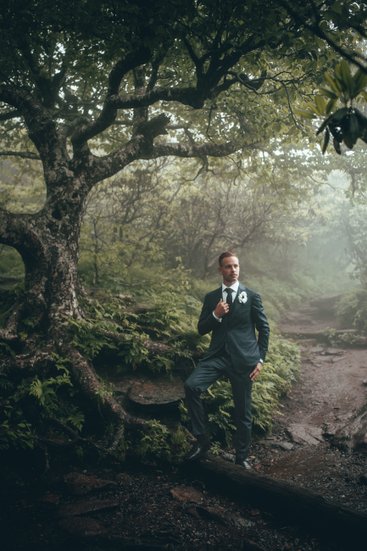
{"x":230,"y":269}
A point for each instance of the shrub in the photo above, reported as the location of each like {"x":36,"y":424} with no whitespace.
{"x":279,"y":372}
{"x":351,"y":310}
{"x":156,"y":443}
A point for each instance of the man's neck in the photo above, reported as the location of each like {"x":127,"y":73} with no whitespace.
{"x":231,"y":283}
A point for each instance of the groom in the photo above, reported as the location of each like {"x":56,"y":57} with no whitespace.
{"x":239,"y":341}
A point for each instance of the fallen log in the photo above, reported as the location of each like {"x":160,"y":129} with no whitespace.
{"x":293,"y":504}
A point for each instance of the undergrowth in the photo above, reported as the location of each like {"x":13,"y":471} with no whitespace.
{"x":151,"y":332}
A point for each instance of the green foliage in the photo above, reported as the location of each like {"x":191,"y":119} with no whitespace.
{"x":355,"y":226}
{"x":29,"y":407}
{"x":15,"y":430}
{"x":117,"y":331}
{"x":219,"y":406}
{"x":344,"y":85}
{"x":156,"y":443}
{"x":335,"y":337}
{"x":279,"y":372}
{"x":351,"y":310}
{"x":346,"y":124}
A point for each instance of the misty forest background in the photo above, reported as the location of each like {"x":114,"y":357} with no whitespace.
{"x":150,"y":234}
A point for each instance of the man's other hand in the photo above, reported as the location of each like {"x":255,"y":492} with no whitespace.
{"x":256,"y":371}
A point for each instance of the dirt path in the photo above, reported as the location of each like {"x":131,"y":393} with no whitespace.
{"x":330,"y":392}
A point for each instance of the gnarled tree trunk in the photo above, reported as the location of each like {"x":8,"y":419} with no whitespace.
{"x":48,"y":243}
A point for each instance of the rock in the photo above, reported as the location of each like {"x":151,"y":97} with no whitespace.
{"x":159,"y":394}
{"x":283,"y":445}
{"x":249,"y":545}
{"x":81,"y":484}
{"x":123,"y":478}
{"x":88,"y":506}
{"x":363,"y":479}
{"x":332,"y":352}
{"x":353,"y":435}
{"x":302,"y":433}
{"x":220,"y":514}
{"x":49,"y":501}
{"x":82,"y":526}
{"x":317,"y":349}
{"x":187,"y":494}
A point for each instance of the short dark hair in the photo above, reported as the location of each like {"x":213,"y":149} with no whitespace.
{"x":225,"y":255}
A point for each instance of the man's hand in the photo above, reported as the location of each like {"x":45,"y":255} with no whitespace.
{"x":256,"y":371}
{"x":221,"y":309}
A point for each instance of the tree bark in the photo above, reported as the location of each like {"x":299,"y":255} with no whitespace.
{"x":298,"y":505}
{"x":48,"y":243}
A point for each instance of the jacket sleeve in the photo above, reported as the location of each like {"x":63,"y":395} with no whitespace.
{"x":207,"y":321}
{"x":261,"y":324}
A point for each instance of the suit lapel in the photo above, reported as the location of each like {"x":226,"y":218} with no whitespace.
{"x":235,"y":299}
{"x":218,"y":295}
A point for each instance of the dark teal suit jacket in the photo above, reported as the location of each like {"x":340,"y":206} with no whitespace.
{"x":244,"y":332}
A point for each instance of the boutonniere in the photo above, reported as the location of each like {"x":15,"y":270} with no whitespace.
{"x":242,"y":297}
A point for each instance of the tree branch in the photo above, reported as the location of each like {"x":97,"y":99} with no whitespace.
{"x":196,"y":150}
{"x":140,"y":146}
{"x":187,"y":96}
{"x":109,"y":110}
{"x":42,"y":129}
{"x":47,"y":86}
{"x":21,"y":154}
{"x":316,"y":30}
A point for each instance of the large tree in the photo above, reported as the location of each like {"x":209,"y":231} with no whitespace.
{"x":88,"y":87}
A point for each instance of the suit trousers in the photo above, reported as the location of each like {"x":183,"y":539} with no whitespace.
{"x":205,"y":374}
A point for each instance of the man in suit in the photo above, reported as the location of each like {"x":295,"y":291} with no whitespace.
{"x":239,"y":341}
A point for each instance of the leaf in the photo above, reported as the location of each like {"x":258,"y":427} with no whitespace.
{"x":329,"y":93}
{"x":344,"y":77}
{"x":305,"y":113}
{"x":324,"y":125}
{"x":337,"y":146}
{"x":362,"y":119}
{"x":351,"y":130}
{"x":330,"y":106}
{"x":339,"y":115}
{"x":326,"y":141}
{"x":342,"y":69}
{"x":320,"y":102}
{"x":359,"y":82}
{"x":333,"y":83}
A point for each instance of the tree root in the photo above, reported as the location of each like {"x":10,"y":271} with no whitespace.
{"x":86,"y":379}
{"x":40,"y":356}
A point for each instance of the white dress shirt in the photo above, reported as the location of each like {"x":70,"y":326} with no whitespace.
{"x":234,"y":287}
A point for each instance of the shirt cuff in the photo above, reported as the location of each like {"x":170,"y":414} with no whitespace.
{"x":216,"y":317}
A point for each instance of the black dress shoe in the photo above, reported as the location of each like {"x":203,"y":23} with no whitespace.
{"x":244,"y":463}
{"x":198,"y":450}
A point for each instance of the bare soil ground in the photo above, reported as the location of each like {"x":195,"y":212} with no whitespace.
{"x":331,"y":391}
